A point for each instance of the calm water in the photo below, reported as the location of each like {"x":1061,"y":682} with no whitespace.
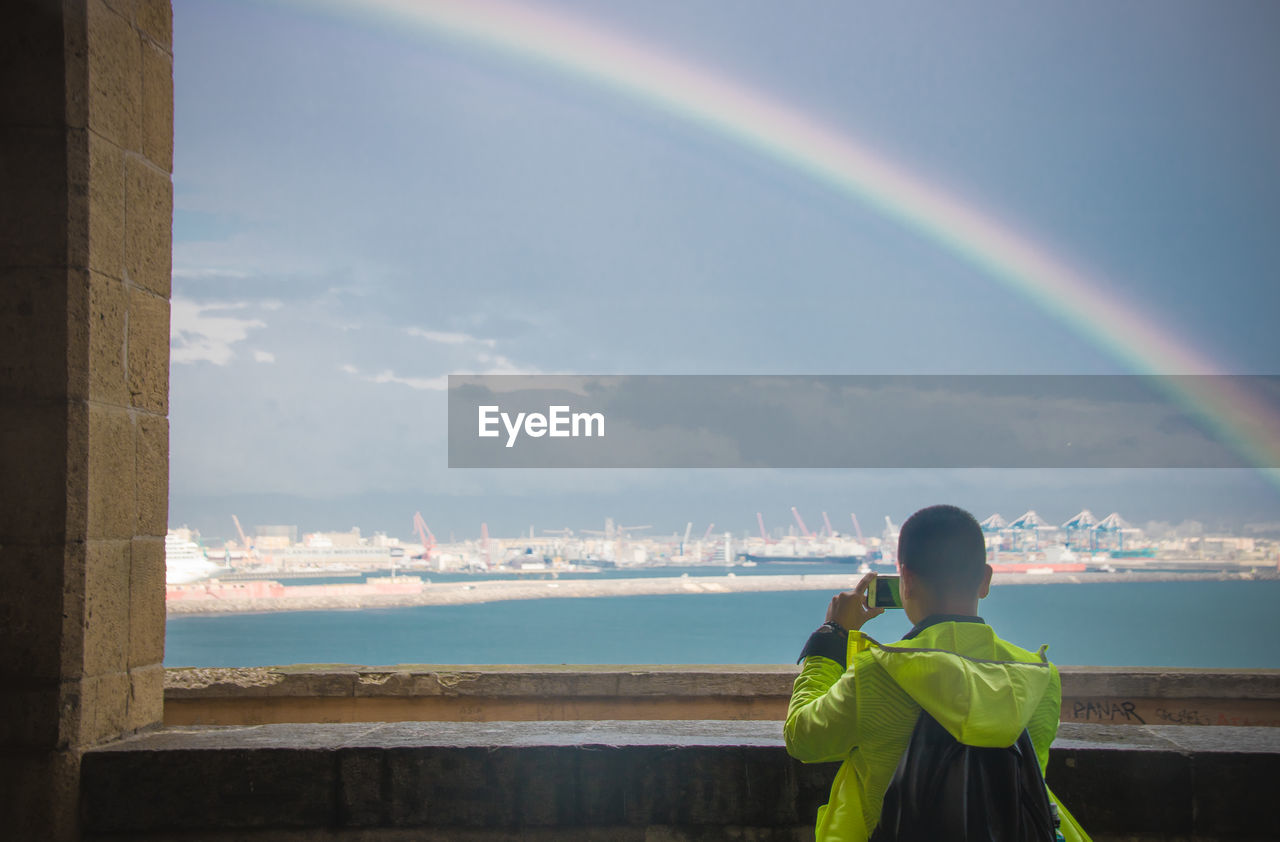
{"x":1186,"y":624}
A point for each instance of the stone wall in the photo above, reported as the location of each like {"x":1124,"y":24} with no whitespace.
{"x":650,"y":781}
{"x":255,"y":696}
{"x":86,"y":151}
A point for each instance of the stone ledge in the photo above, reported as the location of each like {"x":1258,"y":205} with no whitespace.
{"x":1167,"y":683}
{"x":343,"y":693}
{"x":654,"y":680}
{"x":493,"y":780}
{"x":466,"y":680}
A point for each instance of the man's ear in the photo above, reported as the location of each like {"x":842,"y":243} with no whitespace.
{"x":985,"y":587}
{"x":908,"y":581}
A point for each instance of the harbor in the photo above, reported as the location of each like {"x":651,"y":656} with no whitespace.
{"x":276,"y":570}
{"x":1028,"y":543}
{"x":405,"y":591}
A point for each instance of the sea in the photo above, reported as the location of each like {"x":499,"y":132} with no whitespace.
{"x":1223,"y":624}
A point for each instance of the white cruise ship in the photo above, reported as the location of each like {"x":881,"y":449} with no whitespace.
{"x":185,"y":562}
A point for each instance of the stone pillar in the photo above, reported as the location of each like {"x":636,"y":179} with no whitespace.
{"x":86,"y":152}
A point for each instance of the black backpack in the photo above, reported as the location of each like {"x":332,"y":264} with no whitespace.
{"x":945,"y":791}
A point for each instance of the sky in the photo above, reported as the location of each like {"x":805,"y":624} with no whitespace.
{"x":364,"y":206}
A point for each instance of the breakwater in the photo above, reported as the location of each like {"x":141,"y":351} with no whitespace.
{"x":415,"y":592}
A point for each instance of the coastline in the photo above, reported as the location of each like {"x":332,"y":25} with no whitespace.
{"x":463,"y":593}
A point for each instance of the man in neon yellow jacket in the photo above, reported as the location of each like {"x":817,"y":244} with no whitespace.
{"x":857,"y":700}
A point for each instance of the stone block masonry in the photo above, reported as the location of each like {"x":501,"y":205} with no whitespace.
{"x":649,"y":781}
{"x":86,"y":134}
{"x":1111,"y":696}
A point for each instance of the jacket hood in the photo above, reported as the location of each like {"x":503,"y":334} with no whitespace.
{"x":980,"y":688}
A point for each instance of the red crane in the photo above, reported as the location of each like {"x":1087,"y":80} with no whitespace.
{"x":857,"y":528}
{"x":831,"y":533}
{"x":250,"y":552}
{"x":707,"y":534}
{"x":424,"y":535}
{"x":763,"y":534}
{"x":804,"y":530}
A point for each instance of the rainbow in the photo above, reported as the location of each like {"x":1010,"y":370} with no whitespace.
{"x":802,"y":143}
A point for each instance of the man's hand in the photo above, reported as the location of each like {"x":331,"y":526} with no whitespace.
{"x":849,"y":608}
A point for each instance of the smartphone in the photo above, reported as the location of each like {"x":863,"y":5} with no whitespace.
{"x":883,"y":592}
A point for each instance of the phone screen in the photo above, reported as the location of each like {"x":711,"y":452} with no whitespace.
{"x":885,"y":593}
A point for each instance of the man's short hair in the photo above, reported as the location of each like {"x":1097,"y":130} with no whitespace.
{"x":945,"y":547}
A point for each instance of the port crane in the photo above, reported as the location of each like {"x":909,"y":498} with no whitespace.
{"x":1112,"y":527}
{"x":707,"y":534}
{"x":1084,"y":522}
{"x":424,"y":535}
{"x":804,"y":530}
{"x":889,"y":542}
{"x":1029,"y":522}
{"x":249,"y":552}
{"x":831,"y":533}
{"x":764,"y":535}
{"x":857,"y":529}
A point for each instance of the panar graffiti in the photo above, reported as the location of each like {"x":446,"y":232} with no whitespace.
{"x":1106,"y":711}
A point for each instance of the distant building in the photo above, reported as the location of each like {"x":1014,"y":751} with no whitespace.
{"x":275,"y":537}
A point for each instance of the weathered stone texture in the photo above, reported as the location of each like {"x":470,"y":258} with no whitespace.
{"x":148,"y":351}
{"x":155,"y":19}
{"x":274,"y":789}
{"x":153,"y":484}
{"x":111,"y":465}
{"x":148,"y":221}
{"x":157,"y":106}
{"x":115,"y":76}
{"x":127,"y":9}
{"x":106,"y":193}
{"x":338,"y":693}
{"x":146,"y":696}
{"x":671,"y":780}
{"x":77,"y":352}
{"x":75,"y":554}
{"x":76,"y":490}
{"x":79,"y":101}
{"x":75,"y":63}
{"x":108,"y":316}
{"x":146,"y":607}
{"x":106,"y":618}
{"x":1131,"y":792}
{"x":104,"y":707}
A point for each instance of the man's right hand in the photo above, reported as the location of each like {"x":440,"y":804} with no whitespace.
{"x":849,"y":608}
